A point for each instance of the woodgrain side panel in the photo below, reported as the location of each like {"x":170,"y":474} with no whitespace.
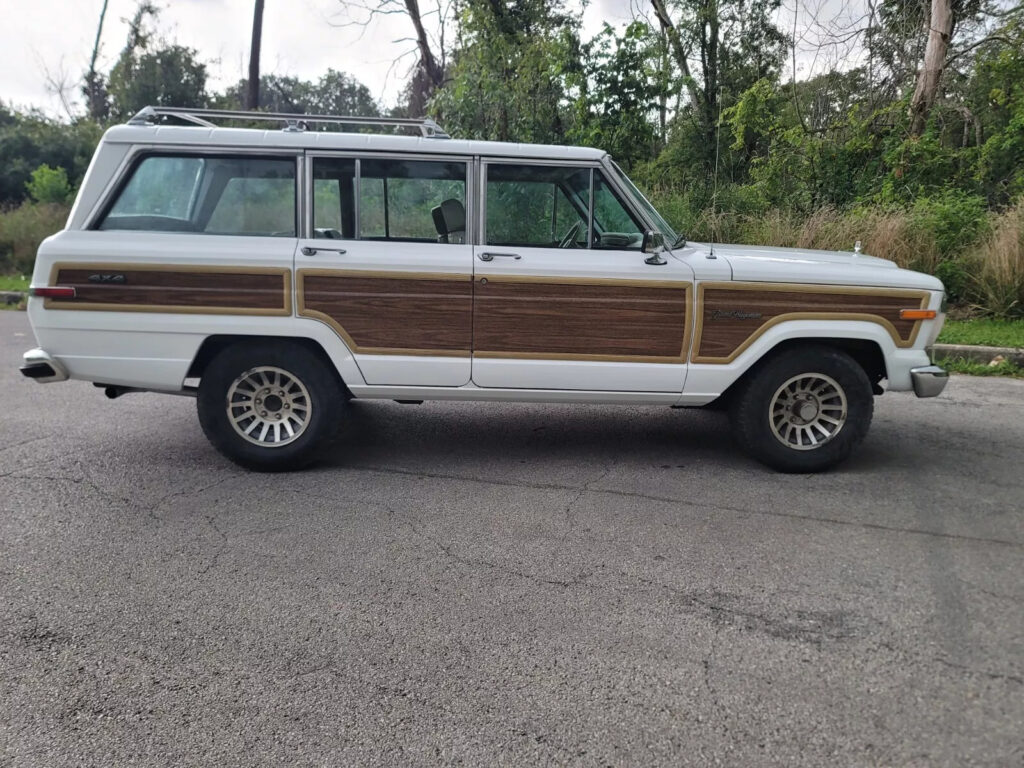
{"x":606,"y":320}
{"x":392,"y":313}
{"x":174,"y":289}
{"x":731,"y":317}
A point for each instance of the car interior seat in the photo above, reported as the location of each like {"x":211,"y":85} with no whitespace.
{"x":450,"y":221}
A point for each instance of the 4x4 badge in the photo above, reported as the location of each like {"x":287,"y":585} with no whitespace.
{"x":106,"y":278}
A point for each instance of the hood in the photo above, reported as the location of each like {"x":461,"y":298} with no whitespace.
{"x":759,"y":263}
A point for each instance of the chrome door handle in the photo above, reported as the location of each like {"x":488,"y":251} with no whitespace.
{"x":488,"y":256}
{"x":310,"y":251}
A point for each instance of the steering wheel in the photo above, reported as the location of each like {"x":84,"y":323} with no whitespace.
{"x":569,"y":238}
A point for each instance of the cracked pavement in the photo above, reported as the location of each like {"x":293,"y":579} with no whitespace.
{"x":488,"y":584}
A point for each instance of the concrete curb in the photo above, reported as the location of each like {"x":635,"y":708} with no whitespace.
{"x":12,"y":297}
{"x":985,"y":355}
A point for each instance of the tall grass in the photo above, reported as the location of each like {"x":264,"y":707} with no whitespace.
{"x":997,"y":284}
{"x":979,"y":255}
{"x":21,"y":231}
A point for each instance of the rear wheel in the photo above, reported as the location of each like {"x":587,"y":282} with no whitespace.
{"x":270,"y":406}
{"x":803,"y":410}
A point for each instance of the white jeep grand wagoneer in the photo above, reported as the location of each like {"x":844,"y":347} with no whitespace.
{"x":276,"y":273}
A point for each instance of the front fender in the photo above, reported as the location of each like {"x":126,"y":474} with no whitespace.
{"x":706,"y":381}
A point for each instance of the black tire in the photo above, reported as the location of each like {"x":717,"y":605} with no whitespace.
{"x":755,"y":402}
{"x":324,"y":397}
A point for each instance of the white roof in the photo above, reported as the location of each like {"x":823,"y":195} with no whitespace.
{"x":198,"y":136}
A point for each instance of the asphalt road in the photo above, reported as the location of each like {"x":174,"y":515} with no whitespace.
{"x":507,"y":585}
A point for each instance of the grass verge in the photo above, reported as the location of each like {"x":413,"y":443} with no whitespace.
{"x":14,"y":283}
{"x":984,"y":331}
{"x":972,"y":368}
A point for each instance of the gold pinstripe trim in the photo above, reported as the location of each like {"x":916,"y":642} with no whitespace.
{"x":921,"y":296}
{"x":611,"y":281}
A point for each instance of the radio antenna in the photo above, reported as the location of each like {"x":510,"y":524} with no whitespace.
{"x":714,"y":187}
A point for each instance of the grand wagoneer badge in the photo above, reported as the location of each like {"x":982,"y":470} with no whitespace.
{"x":734,"y":314}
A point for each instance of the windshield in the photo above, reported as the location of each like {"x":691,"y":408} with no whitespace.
{"x":671,"y":238}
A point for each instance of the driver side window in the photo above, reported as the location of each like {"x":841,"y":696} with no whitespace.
{"x":543,"y":206}
{"x":549,"y":206}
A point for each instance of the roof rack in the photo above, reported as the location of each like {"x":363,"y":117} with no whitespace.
{"x":291,"y":122}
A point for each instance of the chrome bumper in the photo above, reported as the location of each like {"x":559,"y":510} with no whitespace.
{"x":929,"y":380}
{"x":43,"y":368}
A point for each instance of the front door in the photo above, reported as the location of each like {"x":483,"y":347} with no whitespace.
{"x":388,"y":266}
{"x":563,"y":297}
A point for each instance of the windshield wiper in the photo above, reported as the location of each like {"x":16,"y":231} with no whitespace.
{"x":679,"y":242}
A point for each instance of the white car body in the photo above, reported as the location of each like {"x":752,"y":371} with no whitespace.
{"x":156,"y":347}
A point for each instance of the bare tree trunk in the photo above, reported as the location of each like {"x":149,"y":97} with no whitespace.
{"x":95,"y":97}
{"x":678,"y":51}
{"x":665,"y":73}
{"x":252,"y":91}
{"x":431,"y":74}
{"x":940,"y":29}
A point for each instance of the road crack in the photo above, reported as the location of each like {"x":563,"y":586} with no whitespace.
{"x":699,"y":505}
{"x":419,"y":530}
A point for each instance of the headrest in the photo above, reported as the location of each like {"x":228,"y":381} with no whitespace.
{"x":449,"y":216}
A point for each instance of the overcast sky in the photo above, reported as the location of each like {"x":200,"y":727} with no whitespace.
{"x":54,"y":37}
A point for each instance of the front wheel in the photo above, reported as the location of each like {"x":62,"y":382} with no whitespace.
{"x":271,"y":406}
{"x":803,"y":410}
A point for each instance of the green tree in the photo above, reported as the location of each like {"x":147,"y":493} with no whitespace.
{"x":335,"y":93}
{"x":512,"y":72}
{"x":49,"y":185}
{"x":29,"y":140}
{"x":623,"y":85}
{"x":153,"y":72}
{"x":166,"y":76}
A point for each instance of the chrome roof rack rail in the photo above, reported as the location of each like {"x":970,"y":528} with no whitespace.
{"x":289,"y":122}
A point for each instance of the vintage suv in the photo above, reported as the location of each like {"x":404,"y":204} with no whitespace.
{"x":276,"y":273}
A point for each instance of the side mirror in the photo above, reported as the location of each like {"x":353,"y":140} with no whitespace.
{"x":653,"y":243}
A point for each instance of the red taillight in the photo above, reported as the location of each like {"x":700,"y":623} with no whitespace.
{"x":59,"y":292}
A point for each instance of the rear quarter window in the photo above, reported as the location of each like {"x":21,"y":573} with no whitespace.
{"x":222,"y":195}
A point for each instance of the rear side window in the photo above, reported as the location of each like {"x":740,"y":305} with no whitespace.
{"x":398,"y":198}
{"x":208,"y":195}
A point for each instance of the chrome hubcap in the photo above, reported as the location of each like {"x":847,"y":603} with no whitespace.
{"x":268,"y":406}
{"x":807,"y":411}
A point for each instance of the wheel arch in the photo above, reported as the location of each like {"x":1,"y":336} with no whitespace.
{"x":215,"y":344}
{"x":868,"y":353}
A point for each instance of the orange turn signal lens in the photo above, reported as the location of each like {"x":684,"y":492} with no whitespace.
{"x":917,"y":314}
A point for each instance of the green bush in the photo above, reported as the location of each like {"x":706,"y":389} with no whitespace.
{"x":22,"y":229}
{"x":955,"y":219}
{"x":49,"y":185}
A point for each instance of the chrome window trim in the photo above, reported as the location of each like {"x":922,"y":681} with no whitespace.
{"x":611,"y":178}
{"x":590,"y":213}
{"x":468,"y":160}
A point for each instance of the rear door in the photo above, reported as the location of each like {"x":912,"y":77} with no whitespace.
{"x":563,"y":297}
{"x":386,"y":263}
